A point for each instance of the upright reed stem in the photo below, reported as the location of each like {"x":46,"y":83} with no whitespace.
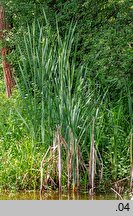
{"x":59,"y":157}
{"x":92,"y":162}
{"x":77,"y":166}
{"x":131,"y":163}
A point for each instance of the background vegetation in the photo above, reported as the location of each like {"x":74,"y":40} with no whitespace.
{"x":72,"y":82}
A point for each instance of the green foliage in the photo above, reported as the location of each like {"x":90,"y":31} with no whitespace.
{"x":69,"y":79}
{"x":104,"y":32}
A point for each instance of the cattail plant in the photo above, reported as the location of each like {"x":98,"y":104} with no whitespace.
{"x":57,"y":97}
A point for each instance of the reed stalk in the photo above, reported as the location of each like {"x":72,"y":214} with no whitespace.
{"x":117,"y":193}
{"x":59,"y":158}
{"x":77,"y":168}
{"x":92,"y":161}
{"x":131,"y":163}
{"x":69,"y":160}
{"x":41,"y":171}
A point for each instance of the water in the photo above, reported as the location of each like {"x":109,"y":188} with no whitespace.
{"x":51,"y":195}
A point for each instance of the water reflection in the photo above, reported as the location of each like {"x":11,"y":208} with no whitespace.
{"x":54,"y":195}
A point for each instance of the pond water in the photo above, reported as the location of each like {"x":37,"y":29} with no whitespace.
{"x":51,"y":195}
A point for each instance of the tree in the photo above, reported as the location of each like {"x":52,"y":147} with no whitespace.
{"x":7,"y":68}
